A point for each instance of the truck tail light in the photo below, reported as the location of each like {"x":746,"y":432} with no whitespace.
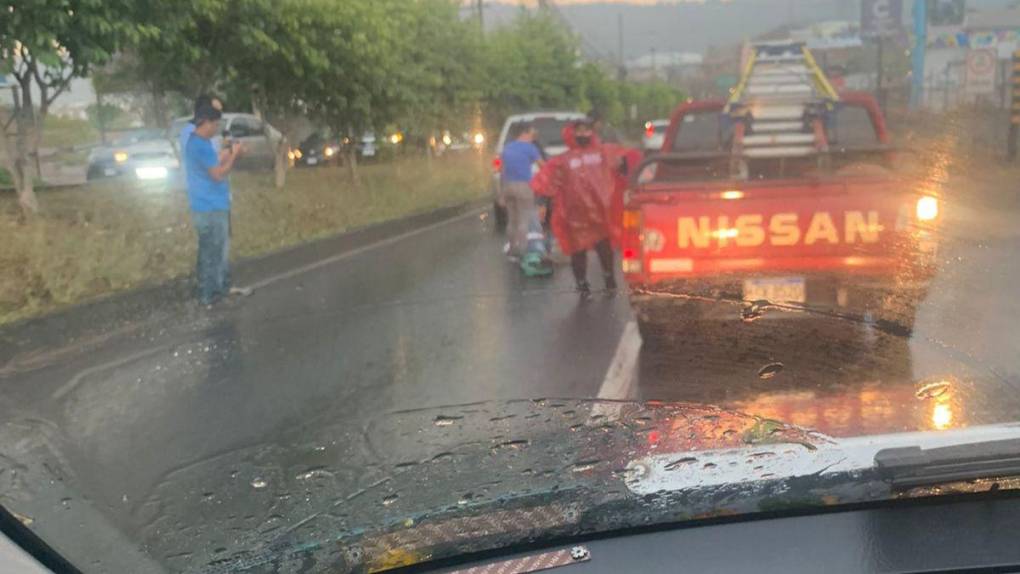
{"x":632,"y":241}
{"x":927,"y":208}
{"x":649,"y":129}
{"x":497,"y":164}
{"x":631,"y":220}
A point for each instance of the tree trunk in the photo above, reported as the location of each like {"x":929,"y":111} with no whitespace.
{"x":352,"y":166}
{"x":280,"y":163}
{"x":100,"y":120}
{"x":17,"y":155}
{"x":17,"y":165}
{"x":35,"y":129}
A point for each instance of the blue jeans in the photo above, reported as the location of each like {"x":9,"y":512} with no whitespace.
{"x":213,"y":270}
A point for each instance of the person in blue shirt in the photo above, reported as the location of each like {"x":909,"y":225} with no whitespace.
{"x":209,"y":197}
{"x":518,"y":157}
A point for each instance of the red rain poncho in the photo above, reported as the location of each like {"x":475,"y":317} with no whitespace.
{"x":587,"y":187}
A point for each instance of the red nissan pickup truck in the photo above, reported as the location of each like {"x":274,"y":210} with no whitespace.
{"x":835,"y":231}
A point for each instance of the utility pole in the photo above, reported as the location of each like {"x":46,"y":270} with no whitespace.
{"x":917,"y":56}
{"x":880,"y":74}
{"x":1013,"y":79}
{"x":621,"y":73}
{"x":481,"y":16}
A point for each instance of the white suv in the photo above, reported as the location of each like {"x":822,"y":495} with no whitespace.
{"x":549,"y":126}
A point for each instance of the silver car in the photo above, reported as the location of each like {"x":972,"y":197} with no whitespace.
{"x":549,"y":126}
{"x":143,"y":154}
{"x":248,"y":130}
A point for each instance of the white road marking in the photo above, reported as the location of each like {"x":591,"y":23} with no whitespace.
{"x":620,"y":383}
{"x":358,"y":251}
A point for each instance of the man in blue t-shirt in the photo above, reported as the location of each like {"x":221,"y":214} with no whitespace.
{"x":209,"y":196}
{"x":518,"y":157}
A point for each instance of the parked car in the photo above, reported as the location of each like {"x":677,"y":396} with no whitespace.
{"x":549,"y":126}
{"x":655,"y":135}
{"x":251,"y":132}
{"x":317,"y":149}
{"x":144,"y":154}
{"x":449,"y":142}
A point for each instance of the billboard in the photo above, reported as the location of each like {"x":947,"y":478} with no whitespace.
{"x":881,"y":18}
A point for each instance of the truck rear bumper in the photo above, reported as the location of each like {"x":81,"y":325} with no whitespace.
{"x":888,"y":300}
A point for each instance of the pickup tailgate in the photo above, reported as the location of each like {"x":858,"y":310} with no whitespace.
{"x":864,"y":225}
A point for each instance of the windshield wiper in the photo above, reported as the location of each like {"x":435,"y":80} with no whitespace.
{"x":914,"y":466}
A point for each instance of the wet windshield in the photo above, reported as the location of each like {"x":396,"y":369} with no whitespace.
{"x":346,"y":285}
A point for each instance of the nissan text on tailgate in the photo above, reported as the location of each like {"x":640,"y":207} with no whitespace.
{"x":813,"y":224}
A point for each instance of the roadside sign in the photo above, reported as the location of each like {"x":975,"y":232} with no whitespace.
{"x":981,"y":65}
{"x":881,"y":18}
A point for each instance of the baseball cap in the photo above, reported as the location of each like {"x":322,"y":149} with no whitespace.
{"x":205,"y":112}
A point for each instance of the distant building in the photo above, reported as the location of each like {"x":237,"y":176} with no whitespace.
{"x":673,"y":67}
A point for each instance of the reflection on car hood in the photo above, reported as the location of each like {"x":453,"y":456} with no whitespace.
{"x":426,"y":484}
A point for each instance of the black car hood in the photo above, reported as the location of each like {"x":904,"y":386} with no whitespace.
{"x":421,"y":485}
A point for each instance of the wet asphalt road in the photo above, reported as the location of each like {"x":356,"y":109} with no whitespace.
{"x":436,"y":319}
{"x":439,"y":318}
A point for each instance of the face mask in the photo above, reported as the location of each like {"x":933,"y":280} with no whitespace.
{"x":583,"y":141}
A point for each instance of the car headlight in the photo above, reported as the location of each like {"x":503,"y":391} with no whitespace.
{"x":927,"y":208}
{"x":479,"y":138}
{"x":150,"y":172}
{"x":329,"y":151}
{"x":120,"y":156}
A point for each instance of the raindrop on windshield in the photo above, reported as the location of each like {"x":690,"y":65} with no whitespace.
{"x":680,"y":462}
{"x":933,"y":390}
{"x":512,"y":444}
{"x":446,"y":420}
{"x":754,"y":311}
{"x":259,"y":482}
{"x":770,"y":370}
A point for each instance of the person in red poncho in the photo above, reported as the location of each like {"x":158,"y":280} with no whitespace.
{"x":586,"y":186}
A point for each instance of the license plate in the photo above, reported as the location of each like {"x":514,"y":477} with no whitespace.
{"x":109,"y":172}
{"x":312,"y":161}
{"x":775,"y":289}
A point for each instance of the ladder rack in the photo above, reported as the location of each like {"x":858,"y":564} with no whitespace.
{"x":780,"y":103}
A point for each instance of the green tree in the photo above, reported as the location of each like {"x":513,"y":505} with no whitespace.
{"x":361,"y":87}
{"x":44,"y":44}
{"x":531,"y":63}
{"x":600,"y":94}
{"x":441,"y":68}
{"x":650,"y":101}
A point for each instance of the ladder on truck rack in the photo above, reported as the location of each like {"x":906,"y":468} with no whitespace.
{"x":779,"y":105}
